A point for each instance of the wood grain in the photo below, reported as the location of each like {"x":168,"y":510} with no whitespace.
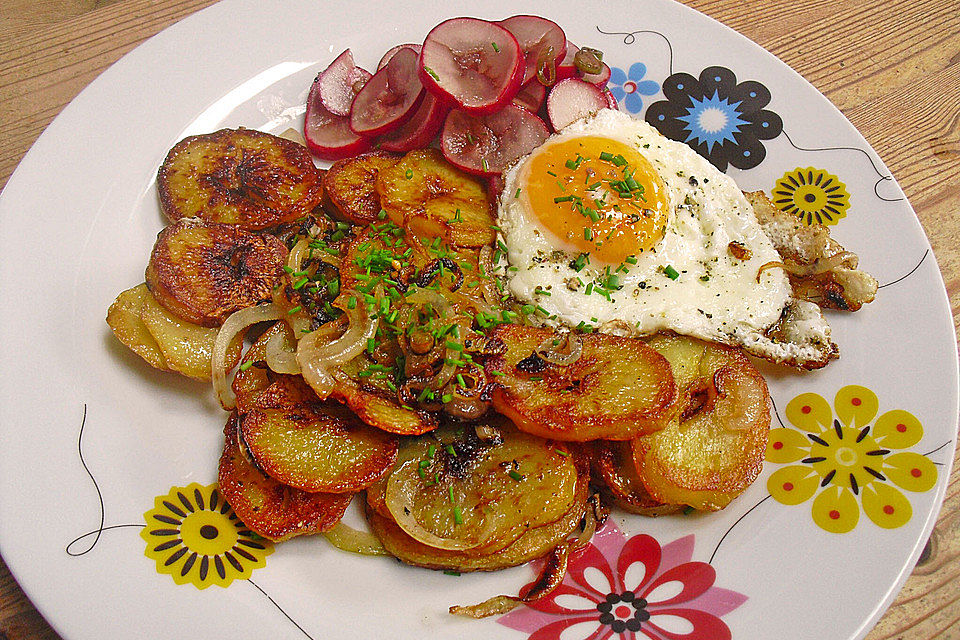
{"x":893,"y":68}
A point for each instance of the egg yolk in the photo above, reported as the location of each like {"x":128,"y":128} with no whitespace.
{"x":599,"y":195}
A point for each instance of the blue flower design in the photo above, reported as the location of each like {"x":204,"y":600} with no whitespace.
{"x":628,"y":86}
{"x":723,"y":120}
{"x":712,"y":120}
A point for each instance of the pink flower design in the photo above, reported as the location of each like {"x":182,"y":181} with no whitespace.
{"x":613,"y":587}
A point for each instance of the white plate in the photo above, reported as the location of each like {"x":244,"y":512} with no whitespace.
{"x":77,"y":221}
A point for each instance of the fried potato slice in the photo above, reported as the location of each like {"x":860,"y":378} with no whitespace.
{"x":123,"y":316}
{"x":451,"y":490}
{"x":379,"y":406}
{"x":433,"y":199}
{"x":272,"y":509}
{"x":165,"y":341}
{"x":238,"y":176}
{"x":532,"y":543}
{"x":317,"y":447}
{"x":617,"y":389}
{"x":349,"y":186}
{"x":714,"y":448}
{"x":612,"y":465}
{"x":203,"y":272}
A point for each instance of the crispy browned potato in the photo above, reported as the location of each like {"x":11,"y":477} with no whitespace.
{"x":455,"y":491}
{"x":202,"y":272}
{"x":612,"y":464}
{"x":238,"y":176}
{"x":272,"y":509}
{"x":165,"y":341}
{"x":433,"y":199}
{"x":350,"y":186}
{"x":714,"y":448}
{"x":533,"y":543}
{"x":379,"y":407}
{"x":618,"y":389}
{"x":316,"y":447}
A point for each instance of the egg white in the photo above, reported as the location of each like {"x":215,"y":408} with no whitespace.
{"x":716,"y":296}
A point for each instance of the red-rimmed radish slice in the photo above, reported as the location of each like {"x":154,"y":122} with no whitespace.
{"x":419,"y":130}
{"x":475,"y":64}
{"x":543,"y":44}
{"x":328,"y":135}
{"x":389,"y":98}
{"x":571,"y":100}
{"x":531,"y":96}
{"x":488,"y":144}
{"x":566,"y":68}
{"x":611,"y":99}
{"x":340,"y":82}
{"x":389,"y":54}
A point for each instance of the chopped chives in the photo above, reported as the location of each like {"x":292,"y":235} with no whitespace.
{"x":457,"y":515}
{"x":670,"y":272}
{"x":246,"y":365}
{"x":516,"y":475}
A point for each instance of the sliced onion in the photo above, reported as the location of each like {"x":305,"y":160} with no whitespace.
{"x":818,"y":266}
{"x":397,"y":499}
{"x":317,"y":356}
{"x":346,"y":538}
{"x":566,"y":351}
{"x":279,"y":359}
{"x":234,"y":326}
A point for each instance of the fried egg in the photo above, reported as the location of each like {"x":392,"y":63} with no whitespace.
{"x":609,"y":223}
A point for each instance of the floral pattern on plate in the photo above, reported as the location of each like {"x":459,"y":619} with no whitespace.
{"x":846,"y":463}
{"x":719,"y":118}
{"x":813,"y":195}
{"x":632,"y":587}
{"x":629,"y":86}
{"x":195,"y":537}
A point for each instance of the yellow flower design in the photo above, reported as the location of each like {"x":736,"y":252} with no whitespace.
{"x":848,"y":460}
{"x":813,"y":195}
{"x":194,"y":536}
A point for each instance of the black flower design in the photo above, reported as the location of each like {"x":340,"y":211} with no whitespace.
{"x":718,"y":118}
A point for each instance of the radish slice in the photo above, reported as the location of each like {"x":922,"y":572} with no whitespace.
{"x":390,"y":97}
{"x":389,"y":54}
{"x":542,"y":42}
{"x":531,"y":96}
{"x":328,"y":135}
{"x":611,"y":100}
{"x":488,"y":144}
{"x":340,"y":82}
{"x":419,"y":130}
{"x":476,"y":64}
{"x":571,"y":100}
{"x":566,"y":68}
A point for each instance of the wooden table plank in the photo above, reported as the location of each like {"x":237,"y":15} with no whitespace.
{"x":892,"y":68}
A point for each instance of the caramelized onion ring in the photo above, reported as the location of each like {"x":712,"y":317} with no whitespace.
{"x":234,"y":326}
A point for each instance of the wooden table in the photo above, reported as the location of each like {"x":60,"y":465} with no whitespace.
{"x":892,"y":67}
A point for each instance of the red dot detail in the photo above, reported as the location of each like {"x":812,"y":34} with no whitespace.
{"x":855,"y":401}
{"x":623,"y":612}
{"x":778,"y":445}
{"x":806,"y":409}
{"x":888,"y":509}
{"x":916,"y":473}
{"x":901,"y":427}
{"x":834,"y":515}
{"x":788,"y":486}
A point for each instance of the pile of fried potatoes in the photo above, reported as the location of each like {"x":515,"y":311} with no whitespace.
{"x":476,"y":434}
